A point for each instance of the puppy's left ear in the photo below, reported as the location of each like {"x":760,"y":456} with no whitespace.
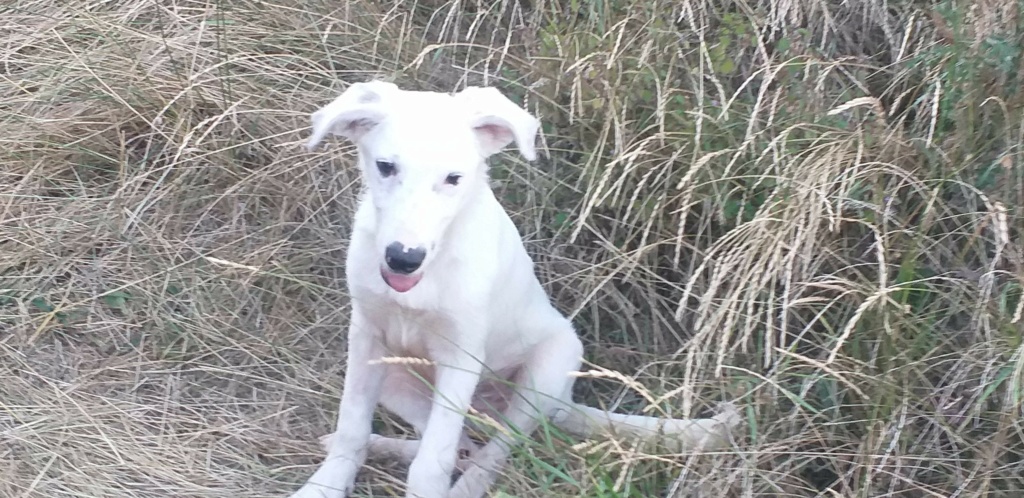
{"x":497,"y":121}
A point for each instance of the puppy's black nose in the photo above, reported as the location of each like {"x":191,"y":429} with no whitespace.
{"x":403,"y":260}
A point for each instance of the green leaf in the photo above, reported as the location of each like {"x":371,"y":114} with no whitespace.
{"x":1004,"y":373}
{"x":117,"y":299}
{"x":727,"y":66}
{"x":731,"y":209}
{"x":42,"y":304}
{"x":560,"y":219}
{"x":783,"y":45}
{"x":556,"y":472}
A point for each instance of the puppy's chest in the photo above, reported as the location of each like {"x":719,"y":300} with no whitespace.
{"x":413,"y":333}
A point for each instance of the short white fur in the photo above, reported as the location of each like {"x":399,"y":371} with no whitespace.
{"x":472,"y":307}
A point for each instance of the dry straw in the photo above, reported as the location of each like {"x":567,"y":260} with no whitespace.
{"x":797,"y":206}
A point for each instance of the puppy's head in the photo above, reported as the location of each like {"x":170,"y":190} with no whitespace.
{"x":422,"y":156}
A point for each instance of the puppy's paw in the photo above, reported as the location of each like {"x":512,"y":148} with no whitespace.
{"x":310,"y":490}
{"x":474,"y":482}
{"x":334,"y":478}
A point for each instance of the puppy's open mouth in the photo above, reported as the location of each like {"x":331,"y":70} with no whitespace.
{"x":398,"y":281}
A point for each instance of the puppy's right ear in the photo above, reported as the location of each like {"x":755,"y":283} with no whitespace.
{"x":356,"y":111}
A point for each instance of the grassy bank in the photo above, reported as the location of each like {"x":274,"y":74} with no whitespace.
{"x":812,"y":208}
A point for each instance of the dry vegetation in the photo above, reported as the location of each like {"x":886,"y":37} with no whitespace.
{"x":812,"y":207}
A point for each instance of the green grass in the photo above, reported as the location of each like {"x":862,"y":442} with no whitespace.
{"x":813,"y":209}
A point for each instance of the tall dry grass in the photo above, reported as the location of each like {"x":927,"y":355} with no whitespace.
{"x":813,"y":208}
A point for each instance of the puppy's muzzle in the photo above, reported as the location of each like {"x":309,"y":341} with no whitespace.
{"x":403,"y":260}
{"x":402,"y":264}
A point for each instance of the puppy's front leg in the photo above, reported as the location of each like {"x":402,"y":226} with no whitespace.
{"x":347,"y":451}
{"x":455,"y":382}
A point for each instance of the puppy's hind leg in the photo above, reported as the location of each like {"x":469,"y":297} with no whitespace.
{"x":405,"y":393}
{"x":543,"y":386}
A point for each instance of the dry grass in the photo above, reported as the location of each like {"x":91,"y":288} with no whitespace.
{"x":811,"y":207}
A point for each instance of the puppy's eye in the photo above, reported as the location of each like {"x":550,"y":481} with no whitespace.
{"x":453,"y":179}
{"x":386,"y":168}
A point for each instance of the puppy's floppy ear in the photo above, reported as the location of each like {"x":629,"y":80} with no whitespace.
{"x":353,"y":113}
{"x":497,"y":121}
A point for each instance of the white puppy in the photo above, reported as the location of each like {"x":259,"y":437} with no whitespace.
{"x":437,"y":271}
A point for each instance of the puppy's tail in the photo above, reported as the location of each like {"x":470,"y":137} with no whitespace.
{"x":674,"y":433}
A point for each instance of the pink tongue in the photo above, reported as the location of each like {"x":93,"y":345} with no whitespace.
{"x":401,"y":283}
